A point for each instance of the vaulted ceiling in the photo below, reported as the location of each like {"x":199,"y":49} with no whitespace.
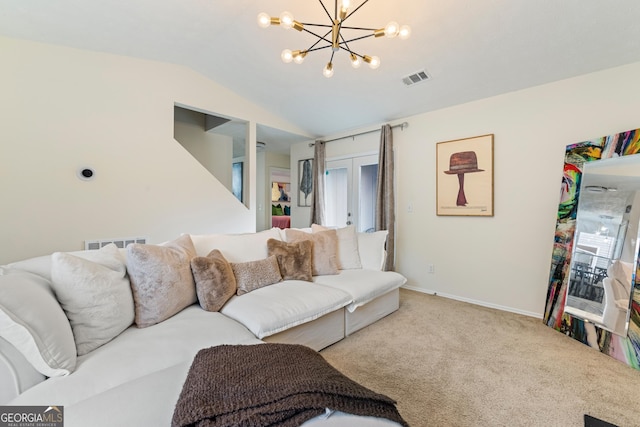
{"x":471,"y":49}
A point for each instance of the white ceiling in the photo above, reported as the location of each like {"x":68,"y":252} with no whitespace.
{"x":472,"y":49}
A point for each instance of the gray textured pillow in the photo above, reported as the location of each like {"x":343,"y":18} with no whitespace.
{"x":294,"y":259}
{"x":325,"y":249}
{"x":161,"y":279}
{"x":215,"y":282}
{"x":96,"y":296}
{"x":253,"y":275}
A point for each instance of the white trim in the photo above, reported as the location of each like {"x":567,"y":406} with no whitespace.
{"x":476,"y":302}
{"x":353,"y":156}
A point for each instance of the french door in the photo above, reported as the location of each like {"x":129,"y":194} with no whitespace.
{"x":350,"y":192}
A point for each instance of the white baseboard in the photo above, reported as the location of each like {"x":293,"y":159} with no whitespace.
{"x":476,"y":302}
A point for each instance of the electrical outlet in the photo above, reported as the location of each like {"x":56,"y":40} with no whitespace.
{"x":410,"y":207}
{"x":431,"y":269}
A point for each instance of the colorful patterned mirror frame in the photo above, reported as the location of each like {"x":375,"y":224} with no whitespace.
{"x":623,"y":348}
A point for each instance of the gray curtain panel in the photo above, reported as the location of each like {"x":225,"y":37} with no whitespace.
{"x":385,"y":195}
{"x":317,"y":203}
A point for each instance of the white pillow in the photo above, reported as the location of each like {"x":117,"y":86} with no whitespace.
{"x":236,"y":248}
{"x":372,"y":249}
{"x":34,"y":323}
{"x":96,"y":296}
{"x":348,"y":255}
{"x":41,"y":265}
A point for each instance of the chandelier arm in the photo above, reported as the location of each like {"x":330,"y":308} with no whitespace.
{"x":359,"y":28}
{"x":325,"y":9}
{"x":319,"y":36}
{"x":313,"y":49}
{"x":351,"y":51}
{"x":357,"y":38}
{"x":355,"y":10}
{"x":316,"y":25}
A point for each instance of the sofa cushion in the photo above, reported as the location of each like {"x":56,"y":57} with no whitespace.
{"x":363,"y":285}
{"x":325,"y":249}
{"x":41,"y":265}
{"x":32,"y":320}
{"x":371,"y":247}
{"x":135,"y":354}
{"x":348,"y":254}
{"x":294,"y":259}
{"x":215,"y":282}
{"x":253,"y":275}
{"x":267,"y":311}
{"x":236,"y":247}
{"x":161,"y":279}
{"x":95,"y":296}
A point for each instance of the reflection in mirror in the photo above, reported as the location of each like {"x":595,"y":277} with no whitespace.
{"x":605,"y":251}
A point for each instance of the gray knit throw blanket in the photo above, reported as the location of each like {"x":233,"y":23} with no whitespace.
{"x":270,"y":385}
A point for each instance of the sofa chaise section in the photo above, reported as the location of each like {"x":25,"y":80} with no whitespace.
{"x":271,"y":312}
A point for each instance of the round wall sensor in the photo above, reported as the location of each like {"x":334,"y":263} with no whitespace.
{"x":86,"y":174}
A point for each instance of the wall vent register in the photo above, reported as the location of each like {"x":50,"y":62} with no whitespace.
{"x":91,"y":245}
{"x":418,"y":77}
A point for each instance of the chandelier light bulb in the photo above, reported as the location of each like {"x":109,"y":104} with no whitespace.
{"x":392,"y":29}
{"x":286,"y":20}
{"x":328,"y":70}
{"x":405,"y":32}
{"x":355,"y":61}
{"x":264,"y":20}
{"x":374,"y":63}
{"x":344,"y":9}
{"x":298,"y":56}
{"x":286,"y":56}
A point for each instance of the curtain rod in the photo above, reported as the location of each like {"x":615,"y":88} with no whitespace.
{"x":401,"y":126}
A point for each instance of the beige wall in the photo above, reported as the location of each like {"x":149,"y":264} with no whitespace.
{"x":502,"y":261}
{"x":214,"y":152}
{"x":65,"y":108}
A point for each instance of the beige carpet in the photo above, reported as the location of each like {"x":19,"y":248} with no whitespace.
{"x":450,"y":363}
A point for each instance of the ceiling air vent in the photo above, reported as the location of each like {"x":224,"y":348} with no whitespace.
{"x":418,"y":77}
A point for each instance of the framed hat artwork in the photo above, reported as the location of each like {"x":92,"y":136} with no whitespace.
{"x":464,"y":176}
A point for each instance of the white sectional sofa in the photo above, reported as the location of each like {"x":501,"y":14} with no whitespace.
{"x":59,"y":345}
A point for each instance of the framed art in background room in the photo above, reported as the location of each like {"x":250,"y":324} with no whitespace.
{"x":464,"y":176}
{"x":305,"y":182}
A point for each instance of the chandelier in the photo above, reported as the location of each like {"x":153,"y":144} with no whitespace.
{"x":334,"y":37}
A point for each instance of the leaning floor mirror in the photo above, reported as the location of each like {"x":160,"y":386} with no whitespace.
{"x":594,"y":291}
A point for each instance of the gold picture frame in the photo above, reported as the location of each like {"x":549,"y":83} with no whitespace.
{"x":464,"y":177}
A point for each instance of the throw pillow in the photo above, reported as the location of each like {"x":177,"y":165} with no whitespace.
{"x":32,"y":320}
{"x":161,"y":279}
{"x":215,"y":282}
{"x":95,"y":296}
{"x":348,"y":253}
{"x":236,"y":247}
{"x":372,"y":249}
{"x":253,"y":275}
{"x":325,"y":249}
{"x":294,"y":259}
